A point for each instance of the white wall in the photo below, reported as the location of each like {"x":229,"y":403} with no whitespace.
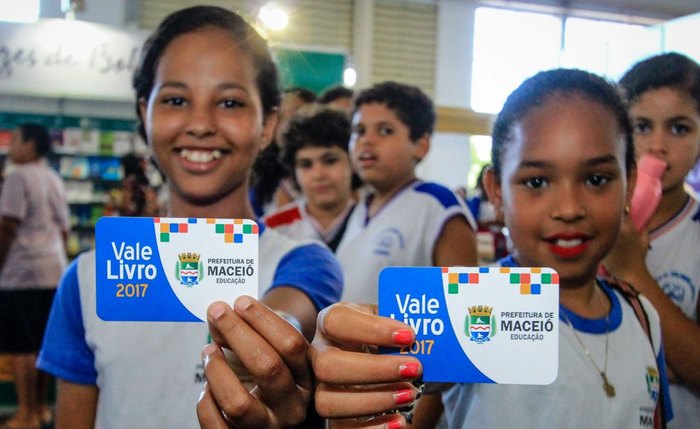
{"x":449,"y":158}
{"x":683,"y":35}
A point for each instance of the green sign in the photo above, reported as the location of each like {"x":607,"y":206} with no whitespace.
{"x":316,"y":71}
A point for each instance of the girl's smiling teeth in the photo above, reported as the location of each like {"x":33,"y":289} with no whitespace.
{"x":200,"y":155}
{"x":568,"y":246}
{"x":572,"y":242}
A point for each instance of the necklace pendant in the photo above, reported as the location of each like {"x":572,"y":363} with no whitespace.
{"x":607,"y":387}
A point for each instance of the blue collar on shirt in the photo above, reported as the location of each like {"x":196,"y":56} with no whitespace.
{"x":590,"y":326}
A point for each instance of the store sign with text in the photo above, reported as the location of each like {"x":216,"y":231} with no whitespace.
{"x":73,"y":59}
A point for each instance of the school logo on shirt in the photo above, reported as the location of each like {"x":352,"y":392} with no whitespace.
{"x":653,"y":384}
{"x":388,"y":241}
{"x":189,"y":270}
{"x":678,"y":286}
{"x":479,"y":324}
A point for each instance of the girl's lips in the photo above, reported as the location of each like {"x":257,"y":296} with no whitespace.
{"x":200,"y":155}
{"x":567,"y":246}
{"x":199,"y":159}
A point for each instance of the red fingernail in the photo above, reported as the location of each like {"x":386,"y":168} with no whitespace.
{"x":405,"y":396}
{"x":409,"y":370}
{"x":396,"y":424}
{"x":403,"y":337}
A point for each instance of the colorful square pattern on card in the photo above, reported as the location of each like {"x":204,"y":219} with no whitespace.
{"x":232,"y":231}
{"x":477,"y":325}
{"x":171,"y":269}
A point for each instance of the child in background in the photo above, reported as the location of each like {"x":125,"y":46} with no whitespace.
{"x":563,"y":170}
{"x":663,"y":95}
{"x":271,"y":184}
{"x":339,"y":97}
{"x":206,"y":97}
{"x":402,"y":221}
{"x":491,"y":241}
{"x":479,"y":204}
{"x":315,"y":148}
{"x":136,"y":197}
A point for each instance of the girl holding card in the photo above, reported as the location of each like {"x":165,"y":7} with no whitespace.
{"x":563,"y":171}
{"x":207,"y":96}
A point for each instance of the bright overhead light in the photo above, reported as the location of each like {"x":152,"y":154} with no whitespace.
{"x":273,"y":16}
{"x":349,"y":77}
{"x":19,"y":11}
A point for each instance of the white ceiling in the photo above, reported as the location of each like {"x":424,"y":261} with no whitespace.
{"x":658,"y":9}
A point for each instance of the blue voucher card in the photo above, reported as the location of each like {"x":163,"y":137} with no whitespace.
{"x":477,"y":325}
{"x":171,"y":269}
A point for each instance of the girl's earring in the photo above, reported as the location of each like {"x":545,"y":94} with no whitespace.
{"x":499,"y":214}
{"x":627,"y":209}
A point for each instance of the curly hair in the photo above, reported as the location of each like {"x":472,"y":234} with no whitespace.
{"x":316,"y":126}
{"x":411,"y":105}
{"x":335,"y":92}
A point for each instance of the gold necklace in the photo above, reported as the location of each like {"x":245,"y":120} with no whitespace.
{"x":608,"y":388}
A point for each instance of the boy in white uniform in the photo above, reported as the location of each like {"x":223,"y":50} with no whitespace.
{"x":315,"y":148}
{"x":402,"y":221}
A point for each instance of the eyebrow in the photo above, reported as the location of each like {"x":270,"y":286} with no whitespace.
{"x":671,"y":119}
{"x":600,"y":160}
{"x":680,"y":118}
{"x":221,"y":86}
{"x":607,"y":159}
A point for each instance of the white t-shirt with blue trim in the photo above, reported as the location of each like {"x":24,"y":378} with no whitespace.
{"x":674,"y":261}
{"x":402,"y":233}
{"x":576,"y":399}
{"x":150,"y":375}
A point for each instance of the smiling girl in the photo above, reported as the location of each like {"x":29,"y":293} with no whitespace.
{"x":206,"y":98}
{"x":563,"y":170}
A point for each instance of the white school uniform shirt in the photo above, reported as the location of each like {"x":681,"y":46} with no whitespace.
{"x":674,"y":261}
{"x":294,"y":221}
{"x":150,"y":374}
{"x":402,"y":233}
{"x":576,"y":398}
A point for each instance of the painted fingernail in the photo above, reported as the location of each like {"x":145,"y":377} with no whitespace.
{"x":409,"y":370}
{"x":396,"y":424}
{"x":217,"y":310}
{"x":403,"y":337}
{"x":404,"y":396}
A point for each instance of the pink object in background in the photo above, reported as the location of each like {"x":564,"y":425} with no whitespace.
{"x":647,"y":193}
